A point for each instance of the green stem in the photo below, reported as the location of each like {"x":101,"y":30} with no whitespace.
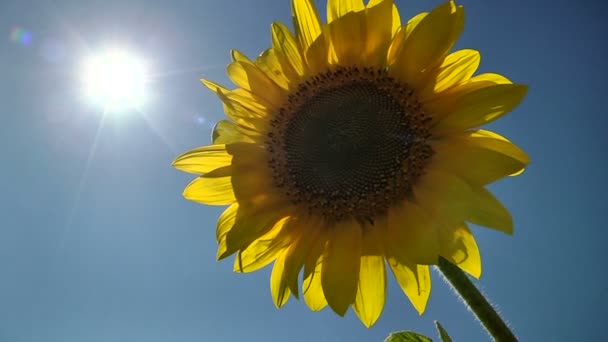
{"x":476,"y":302}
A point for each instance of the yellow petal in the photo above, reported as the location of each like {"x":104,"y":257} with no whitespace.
{"x":457,"y":67}
{"x":412,"y":24}
{"x":482,"y":133}
{"x":238,"y":56}
{"x":458,"y":246}
{"x":226,"y":221}
{"x":269,"y":64}
{"x":380,"y":21}
{"x":489,"y":78}
{"x":245,"y":97}
{"x":428,"y":43}
{"x":250,"y":77}
{"x":489,"y":212}
{"x":210,"y":190}
{"x":412,"y":234}
{"x":278,"y":287}
{"x":341,"y":261}
{"x":250,"y":224}
{"x":371,"y":293}
{"x":308,"y":230}
{"x":438,"y":102}
{"x":224,"y":224}
{"x":311,"y":286}
{"x":318,"y":55}
{"x":306,"y":22}
{"x":316,"y":252}
{"x":243,"y":110}
{"x":480,"y":107}
{"x":265,"y":249}
{"x":284,"y":42}
{"x":414,"y":280}
{"x":339,"y":8}
{"x":244,"y":153}
{"x":348,"y":36}
{"x":243,"y":115}
{"x":203,"y":159}
{"x":402,"y":35}
{"x":480,"y":157}
{"x":253,"y":183}
{"x":228,"y":132}
{"x":213,"y":86}
{"x":444,"y":196}
{"x":395,"y":18}
{"x":441,"y":104}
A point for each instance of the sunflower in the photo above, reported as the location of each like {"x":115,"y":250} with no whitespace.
{"x":352,"y":147}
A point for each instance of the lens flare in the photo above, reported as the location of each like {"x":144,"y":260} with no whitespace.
{"x":21,"y":36}
{"x":115,"y":80}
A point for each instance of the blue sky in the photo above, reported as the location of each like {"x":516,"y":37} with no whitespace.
{"x":97,"y":244}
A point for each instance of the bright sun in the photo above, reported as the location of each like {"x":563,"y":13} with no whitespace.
{"x":115,"y":80}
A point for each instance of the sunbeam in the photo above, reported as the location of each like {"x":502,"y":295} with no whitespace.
{"x":81,"y":184}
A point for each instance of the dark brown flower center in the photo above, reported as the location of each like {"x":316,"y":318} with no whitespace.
{"x":348,"y":143}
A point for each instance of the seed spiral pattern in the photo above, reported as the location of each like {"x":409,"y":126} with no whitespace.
{"x":349,"y":142}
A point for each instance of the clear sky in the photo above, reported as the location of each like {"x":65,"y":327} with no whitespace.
{"x":97,"y":243}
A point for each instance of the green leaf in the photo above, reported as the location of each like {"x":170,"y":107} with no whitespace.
{"x":442,"y":333}
{"x":407,"y":336}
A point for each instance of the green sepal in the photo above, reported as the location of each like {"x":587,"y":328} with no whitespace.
{"x":443,"y":334}
{"x":407,"y":336}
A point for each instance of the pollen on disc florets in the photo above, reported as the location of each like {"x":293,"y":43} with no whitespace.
{"x":349,"y":142}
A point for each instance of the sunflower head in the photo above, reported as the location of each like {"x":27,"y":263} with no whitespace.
{"x":354,"y":146}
